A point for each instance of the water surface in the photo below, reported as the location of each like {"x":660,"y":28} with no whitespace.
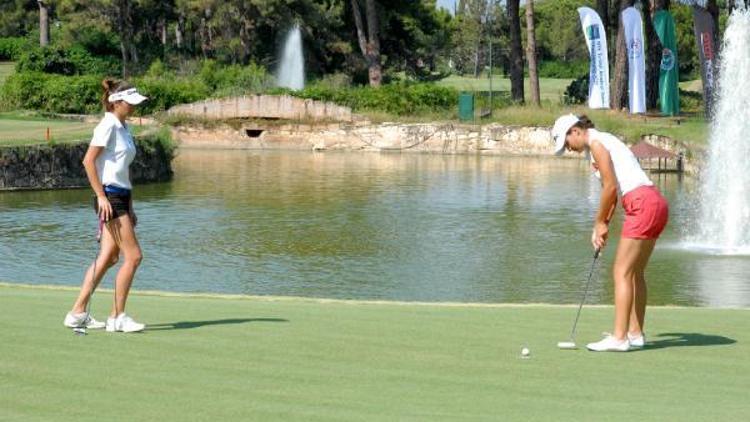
{"x":365,"y":226}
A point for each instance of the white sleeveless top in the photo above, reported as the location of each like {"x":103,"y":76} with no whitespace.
{"x":628,"y":172}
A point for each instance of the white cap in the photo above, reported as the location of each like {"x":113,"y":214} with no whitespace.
{"x":560,"y":130}
{"x":130,"y":96}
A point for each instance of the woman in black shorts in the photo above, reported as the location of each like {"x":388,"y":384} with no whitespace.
{"x":107,"y":162}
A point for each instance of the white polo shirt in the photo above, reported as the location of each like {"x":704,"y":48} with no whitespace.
{"x":113,"y":163}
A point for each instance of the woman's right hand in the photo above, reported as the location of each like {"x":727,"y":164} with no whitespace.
{"x":104,"y":207}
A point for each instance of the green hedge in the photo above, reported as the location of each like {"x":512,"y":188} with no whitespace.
{"x":11,"y":48}
{"x":52,"y":93}
{"x":563,"y":70}
{"x":74,"y":60}
{"x":82,"y":94}
{"x":397,"y":98}
{"x":164,"y":93}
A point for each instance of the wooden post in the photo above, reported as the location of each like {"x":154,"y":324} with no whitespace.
{"x":46,"y":136}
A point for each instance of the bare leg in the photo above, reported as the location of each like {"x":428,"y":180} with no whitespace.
{"x":625,"y":269}
{"x":124,"y":234}
{"x":107,"y":257}
{"x":638,"y":313}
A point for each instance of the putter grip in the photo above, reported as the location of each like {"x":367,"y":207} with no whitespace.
{"x":597,"y":253}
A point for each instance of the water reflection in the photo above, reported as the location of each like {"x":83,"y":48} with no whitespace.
{"x":367,"y":226}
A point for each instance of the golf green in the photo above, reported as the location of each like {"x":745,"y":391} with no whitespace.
{"x":256,"y":358}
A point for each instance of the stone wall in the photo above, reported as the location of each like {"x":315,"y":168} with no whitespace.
{"x":443,"y":138}
{"x":59,"y":166}
{"x":264,"y":106}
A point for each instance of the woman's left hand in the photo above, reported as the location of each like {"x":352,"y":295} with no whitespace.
{"x":599,"y":235}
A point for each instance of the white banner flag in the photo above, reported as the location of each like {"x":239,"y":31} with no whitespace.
{"x":631,"y":18}
{"x":596,"y":40}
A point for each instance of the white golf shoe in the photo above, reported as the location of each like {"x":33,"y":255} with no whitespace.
{"x":609,"y":344}
{"x":81,"y":320}
{"x":124,"y":323}
{"x":637,"y":340}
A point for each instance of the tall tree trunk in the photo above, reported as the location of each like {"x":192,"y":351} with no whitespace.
{"x":179,"y":30}
{"x":476,"y":59}
{"x":531,"y":53}
{"x":653,"y":56}
{"x":43,"y":23}
{"x":370,"y":43}
{"x":516,"y":52}
{"x":602,"y":8}
{"x":206,"y":37}
{"x":122,"y":11}
{"x":619,"y":89}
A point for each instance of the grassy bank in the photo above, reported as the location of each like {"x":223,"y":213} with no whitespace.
{"x":549,"y":89}
{"x":295,"y":359}
{"x":29,"y":128}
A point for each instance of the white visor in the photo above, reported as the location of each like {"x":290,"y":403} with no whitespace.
{"x":130,"y":96}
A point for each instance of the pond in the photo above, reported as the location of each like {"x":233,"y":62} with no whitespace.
{"x":410,"y":227}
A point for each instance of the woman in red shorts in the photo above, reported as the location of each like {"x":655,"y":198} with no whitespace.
{"x":646,"y":214}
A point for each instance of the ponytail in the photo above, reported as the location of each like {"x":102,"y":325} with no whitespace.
{"x":584,"y":122}
{"x":111,"y":86}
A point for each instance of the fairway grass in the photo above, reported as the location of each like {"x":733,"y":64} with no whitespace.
{"x":245,"y":358}
{"x":18,"y":129}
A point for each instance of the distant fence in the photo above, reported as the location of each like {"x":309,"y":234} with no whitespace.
{"x":264,"y":106}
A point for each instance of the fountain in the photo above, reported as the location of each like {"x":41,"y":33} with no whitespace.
{"x":291,"y":71}
{"x":723,"y":217}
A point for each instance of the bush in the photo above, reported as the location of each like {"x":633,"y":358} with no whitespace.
{"x":691,"y":101}
{"x":164,"y":93}
{"x":234,"y":79}
{"x":397,"y":98}
{"x":64,"y":61}
{"x":52,"y":93}
{"x":563,"y":70}
{"x":11,"y":48}
{"x":577,"y":92}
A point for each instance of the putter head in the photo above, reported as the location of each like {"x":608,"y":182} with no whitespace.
{"x":566,"y":345}
{"x":79,"y":331}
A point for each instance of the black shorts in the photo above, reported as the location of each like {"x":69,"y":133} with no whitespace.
{"x":120,"y":204}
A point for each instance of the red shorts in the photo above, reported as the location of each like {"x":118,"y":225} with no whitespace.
{"x":646,"y":213}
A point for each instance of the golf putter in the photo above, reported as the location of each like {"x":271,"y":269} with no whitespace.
{"x":571,"y":343}
{"x":82,"y":331}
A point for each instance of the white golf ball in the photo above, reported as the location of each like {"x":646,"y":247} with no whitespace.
{"x":525,"y":351}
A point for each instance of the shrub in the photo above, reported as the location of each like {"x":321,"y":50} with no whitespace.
{"x":52,"y":93}
{"x":562,"y":70}
{"x":11,"y":48}
{"x":64,"y":61}
{"x":398,"y":98}
{"x":164,"y":93}
{"x":577,"y":92}
{"x":234,"y":79}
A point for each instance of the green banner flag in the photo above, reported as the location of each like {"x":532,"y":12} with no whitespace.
{"x":669,"y":92}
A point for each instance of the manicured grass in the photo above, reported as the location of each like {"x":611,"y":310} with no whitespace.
{"x":690,"y":129}
{"x":19,"y":129}
{"x":549,"y":89}
{"x":281,"y":359}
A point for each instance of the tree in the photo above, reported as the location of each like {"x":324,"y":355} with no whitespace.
{"x":516,"y":52}
{"x":619,"y":88}
{"x":43,"y":23}
{"x":369,"y":39}
{"x":653,"y":56}
{"x":531,"y":53}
